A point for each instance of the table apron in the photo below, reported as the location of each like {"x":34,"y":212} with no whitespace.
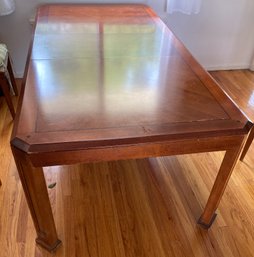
{"x":137,"y":151}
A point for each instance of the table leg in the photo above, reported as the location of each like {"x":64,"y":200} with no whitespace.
{"x":227,"y":166}
{"x":248,"y":143}
{"x":12,"y":78}
{"x":35,"y":189}
{"x":7,"y":96}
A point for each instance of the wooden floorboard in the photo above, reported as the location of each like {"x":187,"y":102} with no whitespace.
{"x":139,"y":207}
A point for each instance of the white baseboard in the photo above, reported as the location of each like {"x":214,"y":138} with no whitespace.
{"x":228,"y":67}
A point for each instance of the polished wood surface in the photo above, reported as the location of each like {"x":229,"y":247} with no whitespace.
{"x":87,"y":65}
{"x":133,"y":208}
{"x":239,"y":85}
{"x":102,"y":87}
{"x":240,"y":94}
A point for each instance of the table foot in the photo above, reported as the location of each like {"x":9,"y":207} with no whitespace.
{"x":35,"y":188}
{"x":48,"y":247}
{"x":207,"y":225}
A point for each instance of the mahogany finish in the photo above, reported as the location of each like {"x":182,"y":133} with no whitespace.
{"x":248,"y":144}
{"x":110,"y":82}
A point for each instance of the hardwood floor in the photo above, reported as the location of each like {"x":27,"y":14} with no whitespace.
{"x":136,"y":208}
{"x":239,"y":84}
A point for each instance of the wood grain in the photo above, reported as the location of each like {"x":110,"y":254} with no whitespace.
{"x":94,"y":79}
{"x":37,"y":198}
{"x":248,"y":144}
{"x":99,"y":102}
{"x":240,"y":85}
{"x":105,"y":203}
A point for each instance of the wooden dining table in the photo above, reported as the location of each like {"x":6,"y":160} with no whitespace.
{"x":112,"y":82}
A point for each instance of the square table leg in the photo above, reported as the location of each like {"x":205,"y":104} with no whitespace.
{"x":227,"y":166}
{"x":248,"y":144}
{"x":34,"y":185}
{"x":6,"y":91}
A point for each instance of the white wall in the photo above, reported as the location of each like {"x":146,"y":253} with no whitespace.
{"x":221,"y":36}
{"x":252,"y":63}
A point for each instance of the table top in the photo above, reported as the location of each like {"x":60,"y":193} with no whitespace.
{"x":104,"y":75}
